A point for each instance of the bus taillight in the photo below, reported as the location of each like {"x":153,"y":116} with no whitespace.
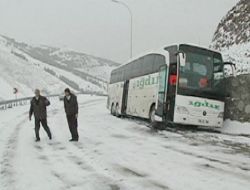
{"x":172,"y":80}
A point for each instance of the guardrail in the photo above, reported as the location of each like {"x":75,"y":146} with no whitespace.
{"x":18,"y":102}
{"x":8,"y":104}
{"x":14,"y":103}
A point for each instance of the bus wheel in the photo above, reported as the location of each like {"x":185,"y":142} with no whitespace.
{"x":112,"y":110}
{"x":152,"y":114}
{"x":116,"y":110}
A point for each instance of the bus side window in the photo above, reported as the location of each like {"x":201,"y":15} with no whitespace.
{"x":159,"y":61}
{"x":138,"y":67}
{"x":148,"y":63}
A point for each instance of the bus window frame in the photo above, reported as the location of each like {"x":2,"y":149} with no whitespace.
{"x":162,"y":104}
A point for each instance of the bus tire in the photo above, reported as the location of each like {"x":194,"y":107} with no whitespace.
{"x":116,"y":110}
{"x":112,"y":111}
{"x":152,"y":114}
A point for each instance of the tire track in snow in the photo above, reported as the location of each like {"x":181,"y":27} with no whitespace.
{"x":120,"y":175}
{"x":7,"y":168}
{"x":69,"y":159}
{"x":64,"y":156}
{"x":6,"y":124}
{"x":87,"y":166}
{"x":198,"y":139}
{"x":215,"y":164}
{"x":82,"y":163}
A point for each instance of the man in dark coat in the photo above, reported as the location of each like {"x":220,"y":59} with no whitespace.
{"x":38,"y":107}
{"x":71,"y":109}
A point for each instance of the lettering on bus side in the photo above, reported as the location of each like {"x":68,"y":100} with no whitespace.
{"x":204,"y":104}
{"x":145,"y":81}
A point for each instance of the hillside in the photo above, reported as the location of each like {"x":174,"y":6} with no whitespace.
{"x":232,"y":36}
{"x":19,"y":73}
{"x":92,"y":67}
{"x":50,"y":69}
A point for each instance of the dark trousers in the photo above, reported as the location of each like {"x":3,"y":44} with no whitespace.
{"x":73,"y":125}
{"x":45,"y":126}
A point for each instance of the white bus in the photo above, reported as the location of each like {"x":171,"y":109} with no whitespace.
{"x":180,"y":84}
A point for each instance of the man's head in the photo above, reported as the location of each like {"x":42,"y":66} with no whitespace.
{"x":37,"y":92}
{"x":67,"y":92}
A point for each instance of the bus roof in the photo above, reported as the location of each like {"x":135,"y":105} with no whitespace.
{"x":161,"y":51}
{"x":200,"y":47}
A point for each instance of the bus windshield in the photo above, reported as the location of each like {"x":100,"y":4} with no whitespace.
{"x":202,"y":74}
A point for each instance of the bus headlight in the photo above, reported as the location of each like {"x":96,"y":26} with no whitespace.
{"x":221,"y":115}
{"x":182,"y":110}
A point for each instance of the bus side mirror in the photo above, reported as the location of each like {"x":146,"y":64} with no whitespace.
{"x":228,"y":97}
{"x":182,"y":58}
{"x":233,"y":66}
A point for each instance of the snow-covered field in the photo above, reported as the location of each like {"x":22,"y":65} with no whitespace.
{"x":116,"y":154}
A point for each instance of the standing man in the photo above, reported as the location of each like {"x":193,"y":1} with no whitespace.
{"x":71,"y":109}
{"x":38,"y":107}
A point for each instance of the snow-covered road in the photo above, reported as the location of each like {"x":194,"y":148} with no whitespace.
{"x":116,"y":154}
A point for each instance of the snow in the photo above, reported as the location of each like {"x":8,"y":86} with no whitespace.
{"x":236,"y":127}
{"x":21,"y":74}
{"x":116,"y":154}
{"x":240,"y":55}
{"x":5,"y":93}
{"x":85,"y":85}
{"x":28,"y":74}
{"x":94,"y":66}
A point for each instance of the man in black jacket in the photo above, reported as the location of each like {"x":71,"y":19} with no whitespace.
{"x":38,"y":107}
{"x":71,"y":109}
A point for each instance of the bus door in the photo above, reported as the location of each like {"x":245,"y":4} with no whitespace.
{"x":171,"y":91}
{"x":125,"y":97}
{"x":161,"y":106}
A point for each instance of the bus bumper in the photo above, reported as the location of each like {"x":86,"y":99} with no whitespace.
{"x":198,"y":121}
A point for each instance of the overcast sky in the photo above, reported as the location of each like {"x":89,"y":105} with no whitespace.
{"x":101,"y":27}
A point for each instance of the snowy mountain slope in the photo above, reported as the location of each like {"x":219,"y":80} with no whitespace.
{"x":232,"y":36}
{"x":78,"y":83}
{"x":92,"y":65}
{"x":91,"y":68}
{"x":234,"y":28}
{"x":20,"y":70}
{"x":19,"y":73}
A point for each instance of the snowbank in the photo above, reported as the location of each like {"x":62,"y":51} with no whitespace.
{"x":235,"y":127}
